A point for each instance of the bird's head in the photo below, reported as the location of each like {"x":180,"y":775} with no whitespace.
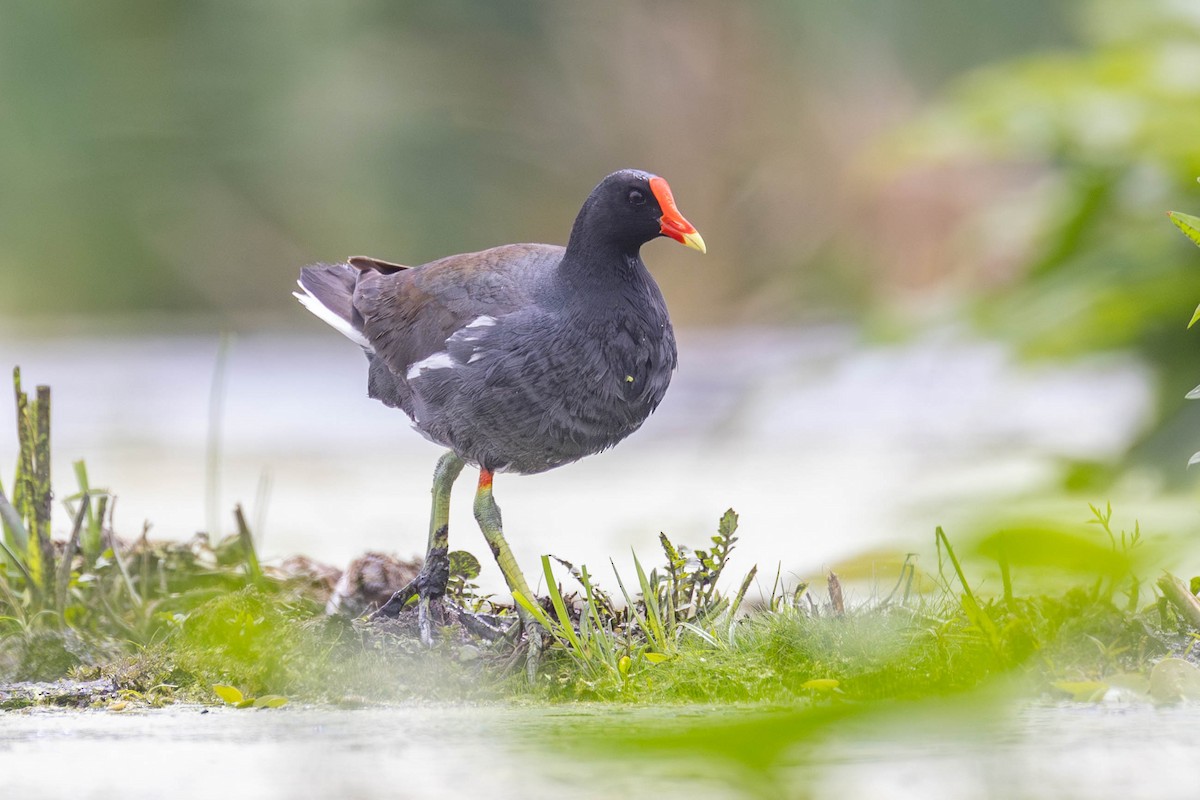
{"x":631,"y":207}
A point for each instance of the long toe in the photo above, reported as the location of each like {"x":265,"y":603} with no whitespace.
{"x":428,"y":608}
{"x":397,"y":602}
{"x":535,"y":643}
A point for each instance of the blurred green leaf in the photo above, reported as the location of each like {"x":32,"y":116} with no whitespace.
{"x":1045,"y":546}
{"x":229,"y":694}
{"x":1083,"y":691}
{"x":1174,"y":679}
{"x":1189,"y":225}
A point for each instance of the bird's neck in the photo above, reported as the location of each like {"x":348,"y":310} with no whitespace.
{"x":595,"y":257}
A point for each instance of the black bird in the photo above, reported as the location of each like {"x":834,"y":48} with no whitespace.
{"x":519,"y":359}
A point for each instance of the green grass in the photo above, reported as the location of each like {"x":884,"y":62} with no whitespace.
{"x":169,"y":621}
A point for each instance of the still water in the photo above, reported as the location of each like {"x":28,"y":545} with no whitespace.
{"x":1073,"y":751}
{"x":825,"y":446}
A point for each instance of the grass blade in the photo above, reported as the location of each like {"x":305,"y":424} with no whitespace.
{"x":650,"y":598}
{"x":253,"y":568}
{"x":560,"y":608}
{"x":15,"y":536}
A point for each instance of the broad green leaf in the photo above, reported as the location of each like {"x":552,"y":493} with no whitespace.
{"x":656,"y":658}
{"x":1195,"y":316}
{"x":271,"y":701}
{"x":229,"y":694}
{"x":1188,"y":224}
{"x":464,"y":565}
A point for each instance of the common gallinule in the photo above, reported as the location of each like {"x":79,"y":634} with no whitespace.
{"x":520,"y":358}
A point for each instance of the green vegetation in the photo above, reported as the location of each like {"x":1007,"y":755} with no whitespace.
{"x":162,"y":622}
{"x":1191,"y":229}
{"x":1065,"y":160}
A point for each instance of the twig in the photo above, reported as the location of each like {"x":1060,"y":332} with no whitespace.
{"x":1180,"y":596}
{"x":22,"y":482}
{"x":64,"y":567}
{"x":835,"y":595}
{"x":43,"y":495}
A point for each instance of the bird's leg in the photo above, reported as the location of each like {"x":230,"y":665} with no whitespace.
{"x":487,"y":514}
{"x":430,"y":583}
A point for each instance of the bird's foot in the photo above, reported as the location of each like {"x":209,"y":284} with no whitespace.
{"x":429,"y":586}
{"x":395,"y":604}
{"x":429,"y":610}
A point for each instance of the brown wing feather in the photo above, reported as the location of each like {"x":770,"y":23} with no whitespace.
{"x":408,"y":315}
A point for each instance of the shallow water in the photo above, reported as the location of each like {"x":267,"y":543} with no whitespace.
{"x":1070,"y":751}
{"x":824,"y":446}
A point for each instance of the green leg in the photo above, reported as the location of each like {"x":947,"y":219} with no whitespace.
{"x":487,"y":514}
{"x":430,"y":583}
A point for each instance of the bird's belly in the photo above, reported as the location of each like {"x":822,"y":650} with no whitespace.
{"x":528,"y":428}
{"x":537,"y":412}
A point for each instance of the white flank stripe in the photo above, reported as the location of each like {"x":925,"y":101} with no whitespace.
{"x":436,"y":361}
{"x":333,"y":320}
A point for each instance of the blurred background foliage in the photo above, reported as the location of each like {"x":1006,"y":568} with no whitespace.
{"x":1062,"y":165}
{"x":188,"y":157}
{"x":171,"y":163}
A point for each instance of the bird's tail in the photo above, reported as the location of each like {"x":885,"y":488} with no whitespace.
{"x":327,"y":290}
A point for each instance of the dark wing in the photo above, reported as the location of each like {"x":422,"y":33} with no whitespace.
{"x":410,"y":316}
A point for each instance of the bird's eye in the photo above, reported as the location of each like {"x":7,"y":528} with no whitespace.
{"x":636,"y":197}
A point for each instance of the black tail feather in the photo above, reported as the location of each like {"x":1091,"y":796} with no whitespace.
{"x":333,"y":286}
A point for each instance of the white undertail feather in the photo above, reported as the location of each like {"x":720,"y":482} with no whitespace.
{"x":441,"y":360}
{"x":333,"y":320}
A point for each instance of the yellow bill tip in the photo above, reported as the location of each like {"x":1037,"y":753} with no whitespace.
{"x":695,"y":241}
